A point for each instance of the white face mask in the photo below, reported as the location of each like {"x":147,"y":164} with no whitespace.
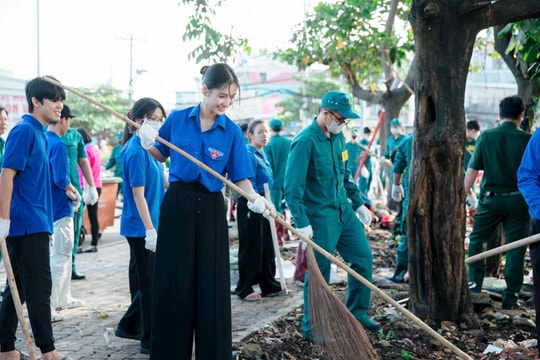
{"x":153,"y":123}
{"x":334,"y":127}
{"x":394,"y":131}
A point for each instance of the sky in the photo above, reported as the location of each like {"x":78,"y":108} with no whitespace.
{"x":87,"y":43}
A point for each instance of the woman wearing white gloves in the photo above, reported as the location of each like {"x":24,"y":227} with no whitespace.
{"x":144,"y":187}
{"x":191,"y":290}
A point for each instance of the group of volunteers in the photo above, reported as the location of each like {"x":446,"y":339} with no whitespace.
{"x":176,"y":224}
{"x":508,"y":197}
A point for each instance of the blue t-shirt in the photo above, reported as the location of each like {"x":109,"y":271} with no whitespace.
{"x":31,"y":202}
{"x":221,"y":148}
{"x":59,"y":163}
{"x":140,"y":169}
{"x":262,"y":170}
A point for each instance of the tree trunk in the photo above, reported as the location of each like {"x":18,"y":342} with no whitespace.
{"x":436,"y":212}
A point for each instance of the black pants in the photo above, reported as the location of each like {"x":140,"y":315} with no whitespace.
{"x":256,"y":263}
{"x":29,"y":257}
{"x":191,"y":288}
{"x":139,"y":312}
{"x":534,"y":250}
{"x":94,"y":221}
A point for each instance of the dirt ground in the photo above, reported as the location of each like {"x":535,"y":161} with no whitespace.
{"x":512,"y":332}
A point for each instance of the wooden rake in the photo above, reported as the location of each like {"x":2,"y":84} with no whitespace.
{"x":330,"y":305}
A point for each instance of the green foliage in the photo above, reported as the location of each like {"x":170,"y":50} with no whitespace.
{"x":348,"y":37}
{"x":388,"y":336}
{"x":406,"y":356}
{"x":525,"y":45}
{"x":315,"y":85}
{"x":213,"y":45}
{"x":95,"y":119}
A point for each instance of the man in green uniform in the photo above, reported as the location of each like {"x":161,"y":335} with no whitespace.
{"x":353,"y":150}
{"x":391,"y":145}
{"x":400,"y":193}
{"x":498,"y":152}
{"x":318,"y":186}
{"x":77,"y":156}
{"x":364,"y":181}
{"x":277,"y":151}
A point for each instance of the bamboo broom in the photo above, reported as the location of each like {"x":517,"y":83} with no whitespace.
{"x":328,"y":306}
{"x":337,"y":332}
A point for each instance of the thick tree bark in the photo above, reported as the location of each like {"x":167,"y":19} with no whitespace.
{"x":445,"y":31}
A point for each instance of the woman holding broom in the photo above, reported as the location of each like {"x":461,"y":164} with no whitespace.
{"x":191,"y":289}
{"x":318,"y":186}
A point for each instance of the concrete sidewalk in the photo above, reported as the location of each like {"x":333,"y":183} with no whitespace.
{"x":88,"y":332}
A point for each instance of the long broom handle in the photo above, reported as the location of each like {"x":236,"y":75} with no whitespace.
{"x":275,"y":242}
{"x":322,"y":251}
{"x":17,"y":299}
{"x":503,"y":248}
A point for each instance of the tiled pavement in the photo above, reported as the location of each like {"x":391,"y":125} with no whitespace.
{"x":87,"y":333}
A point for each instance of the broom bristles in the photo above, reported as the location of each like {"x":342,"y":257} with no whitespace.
{"x":333,"y":327}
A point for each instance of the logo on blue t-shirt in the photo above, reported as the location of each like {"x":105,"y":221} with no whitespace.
{"x":215,"y":153}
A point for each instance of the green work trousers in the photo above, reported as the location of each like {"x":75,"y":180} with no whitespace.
{"x":347,"y":236}
{"x":512,"y":212}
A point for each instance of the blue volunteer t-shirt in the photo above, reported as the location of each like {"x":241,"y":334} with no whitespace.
{"x":140,"y":169}
{"x":31,"y":202}
{"x":59,"y":163}
{"x":221,"y":148}
{"x":261,"y":168}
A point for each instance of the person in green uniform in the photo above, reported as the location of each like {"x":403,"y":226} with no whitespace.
{"x":391,"y":145}
{"x":400,"y":193}
{"x":366,"y":176}
{"x":498,"y":153}
{"x":318,"y":187}
{"x":77,"y":157}
{"x":473,"y":130}
{"x":277,"y":152}
{"x":3,"y":127}
{"x":114,"y":161}
{"x":353,"y":150}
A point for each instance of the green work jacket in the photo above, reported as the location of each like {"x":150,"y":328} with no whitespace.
{"x":318,"y":184}
{"x":277,"y":151}
{"x":498,"y":152}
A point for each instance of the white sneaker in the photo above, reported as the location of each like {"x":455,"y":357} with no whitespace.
{"x":55,"y":317}
{"x":72,"y":303}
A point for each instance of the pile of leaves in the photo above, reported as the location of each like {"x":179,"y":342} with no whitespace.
{"x":399,"y":338}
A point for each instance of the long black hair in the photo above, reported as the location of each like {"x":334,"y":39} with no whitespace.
{"x":144,"y":107}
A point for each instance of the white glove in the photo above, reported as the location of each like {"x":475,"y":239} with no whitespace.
{"x":4,"y":228}
{"x":151,"y":240}
{"x":307,"y":232}
{"x":86,"y":196}
{"x":260,"y":205}
{"x":364,"y":172}
{"x":472,"y":202}
{"x":364,"y":215}
{"x":75,"y":198}
{"x":92,"y":195}
{"x":397,"y":192}
{"x":148,"y":135}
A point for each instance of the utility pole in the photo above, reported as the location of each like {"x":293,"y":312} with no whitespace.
{"x":130,"y":91}
{"x":38,"y":40}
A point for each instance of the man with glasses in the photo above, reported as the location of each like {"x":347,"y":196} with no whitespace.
{"x":318,"y":187}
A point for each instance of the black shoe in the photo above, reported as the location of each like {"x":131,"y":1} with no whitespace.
{"x":126,"y":335}
{"x":76,"y":276}
{"x":91,"y":249}
{"x":399,"y":274}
